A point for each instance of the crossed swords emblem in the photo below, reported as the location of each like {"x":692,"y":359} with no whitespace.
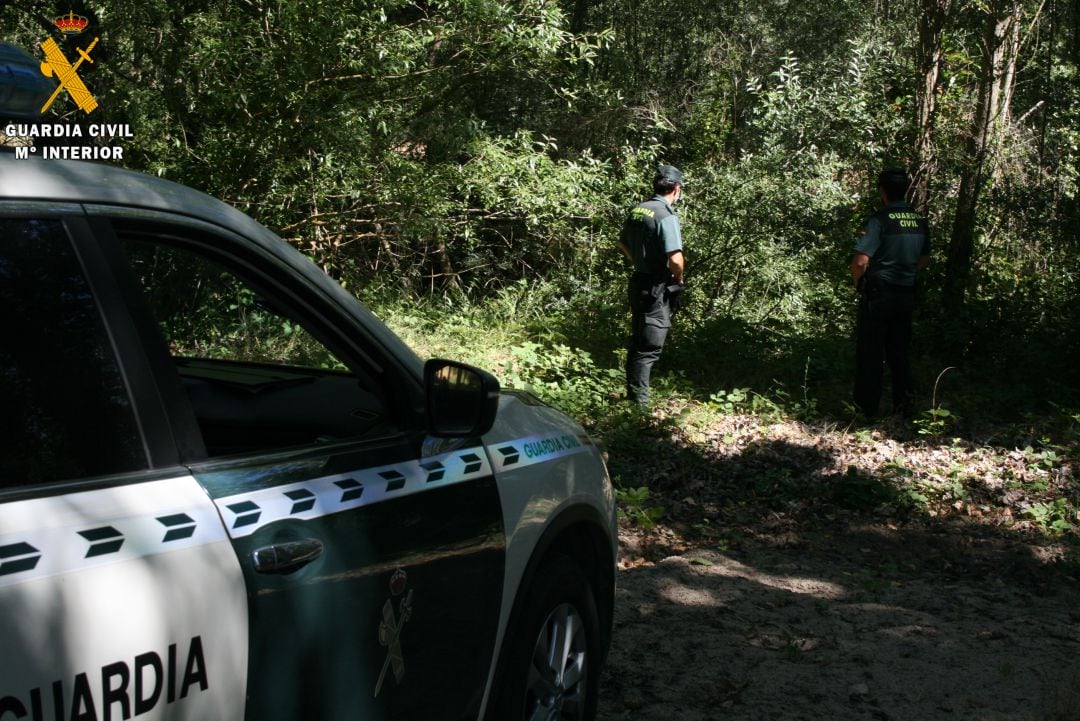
{"x":390,"y":636}
{"x":56,"y":63}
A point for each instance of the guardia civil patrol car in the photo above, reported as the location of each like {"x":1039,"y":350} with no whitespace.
{"x":227,"y":491}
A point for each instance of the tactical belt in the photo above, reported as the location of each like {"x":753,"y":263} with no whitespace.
{"x":876,"y":284}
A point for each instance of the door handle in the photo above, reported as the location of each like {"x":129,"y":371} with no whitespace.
{"x":286,"y":557}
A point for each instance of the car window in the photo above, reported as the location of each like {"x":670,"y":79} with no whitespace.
{"x":206,"y":311}
{"x":257,"y":378}
{"x":64,"y":410}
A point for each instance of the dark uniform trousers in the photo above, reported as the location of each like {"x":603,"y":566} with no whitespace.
{"x":650,"y":321}
{"x":883,"y":334}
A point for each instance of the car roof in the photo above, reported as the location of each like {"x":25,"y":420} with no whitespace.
{"x":73,"y":181}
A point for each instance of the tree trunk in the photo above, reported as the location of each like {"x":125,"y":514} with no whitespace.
{"x":446,"y":268}
{"x":997,"y":77}
{"x":579,"y":16}
{"x":1006,"y":64}
{"x":930,"y":52}
{"x":1076,"y":31}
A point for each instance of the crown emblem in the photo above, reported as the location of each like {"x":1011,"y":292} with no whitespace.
{"x":71,"y":24}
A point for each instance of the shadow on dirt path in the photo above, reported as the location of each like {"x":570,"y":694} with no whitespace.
{"x":808,"y":633}
{"x":787,"y":584}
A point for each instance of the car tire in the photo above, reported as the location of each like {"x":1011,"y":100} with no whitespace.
{"x":552,"y":667}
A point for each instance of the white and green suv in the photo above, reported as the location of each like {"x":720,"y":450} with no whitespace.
{"x":227,"y":491}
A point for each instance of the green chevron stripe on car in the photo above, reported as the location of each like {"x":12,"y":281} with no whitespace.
{"x":96,"y":533}
{"x":246,"y":513}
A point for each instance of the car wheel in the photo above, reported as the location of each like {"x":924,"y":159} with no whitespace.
{"x":552,"y":671}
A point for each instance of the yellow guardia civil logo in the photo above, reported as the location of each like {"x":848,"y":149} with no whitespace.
{"x":57,"y":65}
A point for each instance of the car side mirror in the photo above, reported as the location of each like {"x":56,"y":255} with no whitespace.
{"x":461,"y":400}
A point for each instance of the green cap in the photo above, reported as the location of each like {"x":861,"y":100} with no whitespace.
{"x":669,"y":172}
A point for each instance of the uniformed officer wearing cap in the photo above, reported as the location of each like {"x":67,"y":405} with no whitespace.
{"x":894,"y":247}
{"x":651,"y":239}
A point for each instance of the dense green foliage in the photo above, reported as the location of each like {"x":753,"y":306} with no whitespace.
{"x":471,"y":160}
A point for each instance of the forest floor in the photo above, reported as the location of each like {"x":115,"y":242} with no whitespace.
{"x":824,"y":573}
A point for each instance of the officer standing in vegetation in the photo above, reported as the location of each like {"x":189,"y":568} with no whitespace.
{"x":651,"y":239}
{"x":894,"y":247}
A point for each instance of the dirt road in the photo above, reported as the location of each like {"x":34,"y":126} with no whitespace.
{"x":866,"y":623}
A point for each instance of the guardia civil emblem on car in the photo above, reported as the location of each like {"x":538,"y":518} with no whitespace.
{"x":390,"y":628}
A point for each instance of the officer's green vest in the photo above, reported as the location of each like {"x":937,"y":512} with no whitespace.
{"x":904,"y":238}
{"x":642,"y":236}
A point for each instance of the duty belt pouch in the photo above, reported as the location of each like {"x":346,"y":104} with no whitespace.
{"x":657,"y":313}
{"x":675,"y":295}
{"x":871,"y":288}
{"x":647,"y":297}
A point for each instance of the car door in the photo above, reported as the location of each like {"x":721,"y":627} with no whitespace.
{"x":373,"y":571}
{"x":119,"y":592}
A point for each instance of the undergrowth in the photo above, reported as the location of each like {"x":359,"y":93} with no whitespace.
{"x":1018,"y":474}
